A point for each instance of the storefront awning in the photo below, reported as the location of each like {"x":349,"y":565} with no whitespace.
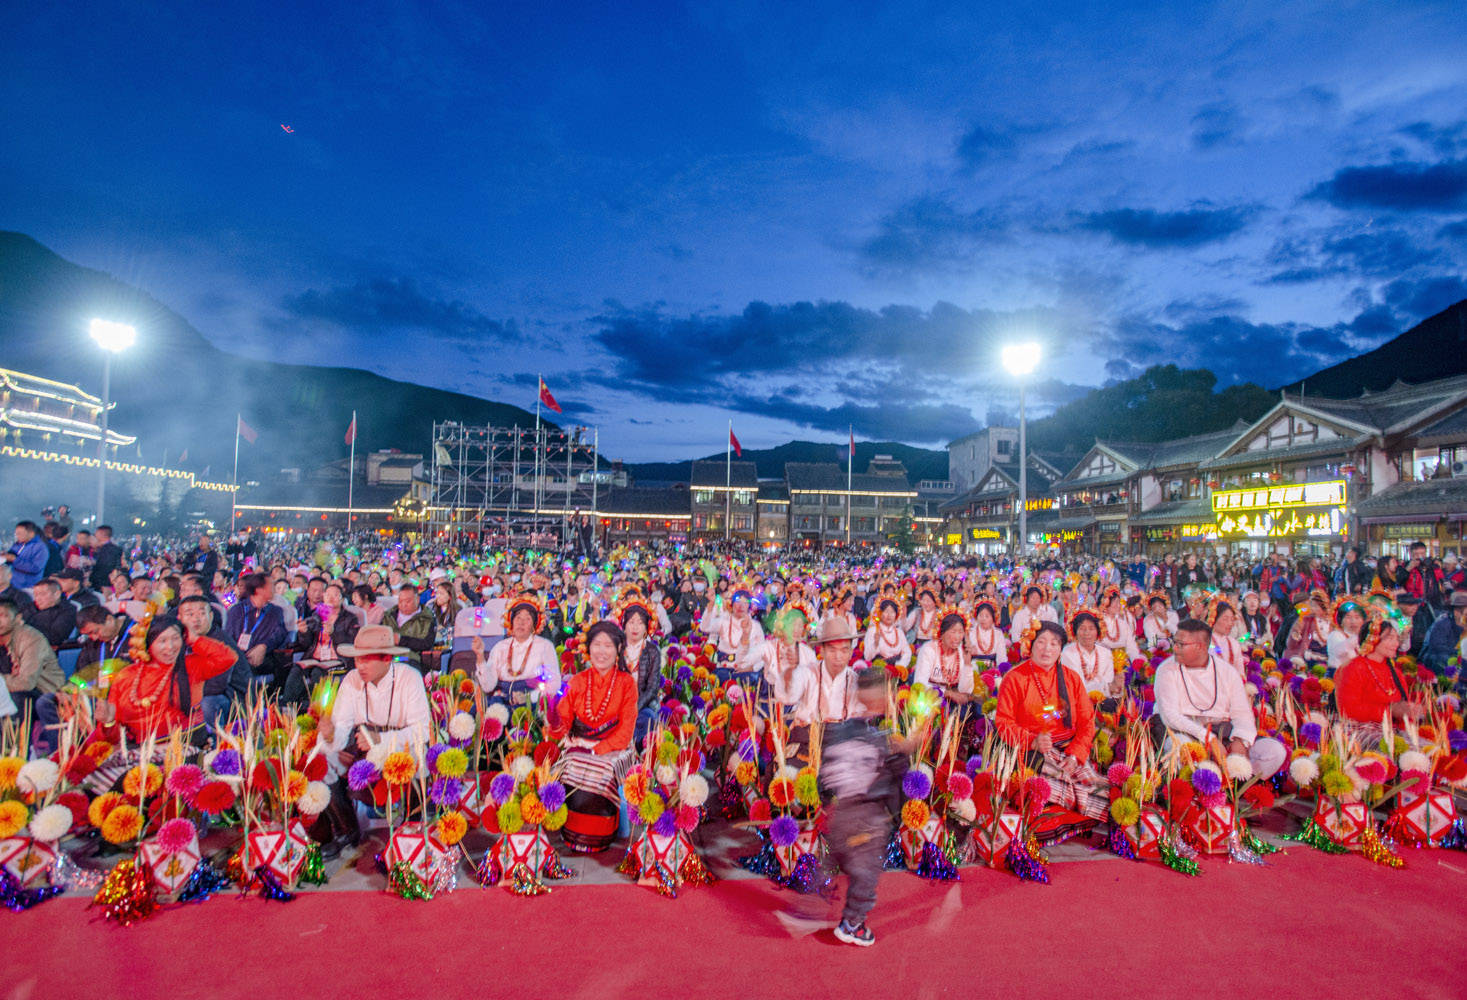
{"x":1429,"y":498}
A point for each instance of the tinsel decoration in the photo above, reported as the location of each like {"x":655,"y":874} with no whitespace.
{"x":1456,"y":838}
{"x":802,"y":877}
{"x":935,"y":865}
{"x":951,"y":851}
{"x":126,"y":894}
{"x":523,"y":881}
{"x":313,"y":869}
{"x":894,"y":860}
{"x":402,"y":880}
{"x":695,"y":872}
{"x":234,"y":869}
{"x":1378,"y":852}
{"x":203,"y":882}
{"x":67,"y":872}
{"x":444,"y":876}
{"x":1257,"y":844}
{"x":1020,"y":860}
{"x":765,"y":862}
{"x":1314,"y":835}
{"x":631,"y":864}
{"x":1183,"y":848}
{"x":1241,"y":852}
{"x":1120,"y":844}
{"x":1170,"y":857}
{"x":551,"y":866}
{"x":489,"y":871}
{"x":666,"y":883}
{"x":1034,"y":850}
{"x":16,"y":897}
{"x":269,"y":886}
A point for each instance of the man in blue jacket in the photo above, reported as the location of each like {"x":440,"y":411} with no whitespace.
{"x":257,"y":626}
{"x":27,"y":557}
{"x":1445,"y":634}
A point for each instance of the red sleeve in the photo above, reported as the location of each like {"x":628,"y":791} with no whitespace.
{"x":208,"y":658}
{"x":1358,"y":694}
{"x":559,"y":723}
{"x":626,"y":724}
{"x":1006,"y":717}
{"x":1083,"y":711}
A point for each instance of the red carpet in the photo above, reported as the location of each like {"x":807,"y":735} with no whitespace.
{"x":1310,"y":926}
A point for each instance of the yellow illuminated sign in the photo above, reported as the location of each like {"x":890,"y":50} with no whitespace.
{"x":1325,"y":494}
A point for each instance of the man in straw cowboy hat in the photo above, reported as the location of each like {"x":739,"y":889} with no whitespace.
{"x":832,"y":695}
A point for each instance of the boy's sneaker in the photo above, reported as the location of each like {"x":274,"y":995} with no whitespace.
{"x":859,"y":935}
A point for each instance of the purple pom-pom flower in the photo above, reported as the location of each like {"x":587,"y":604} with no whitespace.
{"x":226,"y":761}
{"x":784,"y":831}
{"x":501,"y":788}
{"x":361,"y":775}
{"x":666,"y":824}
{"x":1457,"y":739}
{"x":747,"y":751}
{"x":916,"y":784}
{"x":431,"y":757}
{"x":974,"y":765}
{"x":1206,"y":781}
{"x":1310,"y":732}
{"x":446,"y":791}
{"x":552,"y":795}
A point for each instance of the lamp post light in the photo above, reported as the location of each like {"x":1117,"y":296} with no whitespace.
{"x":1020,"y":360}
{"x":113,"y":338}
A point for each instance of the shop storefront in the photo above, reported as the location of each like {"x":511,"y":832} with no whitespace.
{"x":1432,"y":511}
{"x":1298,"y":519}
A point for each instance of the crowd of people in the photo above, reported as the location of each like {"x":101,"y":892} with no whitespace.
{"x":859,"y":668}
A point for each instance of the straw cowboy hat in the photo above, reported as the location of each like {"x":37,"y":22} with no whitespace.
{"x":372,"y":640}
{"x":835,"y":630}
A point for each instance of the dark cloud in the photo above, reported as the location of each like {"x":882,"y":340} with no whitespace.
{"x":386,"y":305}
{"x":1454,"y":231}
{"x":1149,"y":228}
{"x":1350,"y":252}
{"x":1444,"y":140}
{"x":982,"y":143}
{"x":930,"y":233}
{"x":1401,"y":187}
{"x":1427,"y":297}
{"x":1216,"y":124}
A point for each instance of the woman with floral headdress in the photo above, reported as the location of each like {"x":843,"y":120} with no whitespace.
{"x":1160,"y":624}
{"x":1221,"y":617}
{"x":885,"y":638}
{"x":1371,"y":686}
{"x":1117,"y":627}
{"x":1307,"y":642}
{"x":523,"y":662}
{"x":161,"y":687}
{"x":922,"y":620}
{"x":738,"y":634}
{"x":986,"y":641}
{"x":1085,"y":655}
{"x":789,"y":663}
{"x":1342,"y":644}
{"x":1036,"y":608}
{"x":944,"y":664}
{"x":643,"y":657}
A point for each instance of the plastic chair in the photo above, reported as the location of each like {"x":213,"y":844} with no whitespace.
{"x":67,"y":658}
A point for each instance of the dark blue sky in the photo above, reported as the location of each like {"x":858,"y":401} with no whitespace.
{"x":797,"y":215}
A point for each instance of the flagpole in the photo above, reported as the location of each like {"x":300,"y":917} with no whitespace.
{"x":850,"y":462}
{"x":351,"y":469}
{"x":727,"y":479}
{"x":234,"y":493}
{"x":535,"y":491}
{"x":595,"y":483}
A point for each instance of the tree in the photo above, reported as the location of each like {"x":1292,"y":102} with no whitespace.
{"x":901,"y":537}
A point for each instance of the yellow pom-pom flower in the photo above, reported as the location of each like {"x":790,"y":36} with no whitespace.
{"x":915,"y":814}
{"x":510,"y":820}
{"x":1336,"y":783}
{"x":1125,"y":811}
{"x":133,"y":782}
{"x":101,"y":806}
{"x":121,"y":825}
{"x":295,"y":786}
{"x":398,"y":768}
{"x":651,"y":809}
{"x":451,"y":827}
{"x":452,"y":763}
{"x":9,"y":769}
{"x":13,"y":816}
{"x":745,"y":772}
{"x":556,"y":820}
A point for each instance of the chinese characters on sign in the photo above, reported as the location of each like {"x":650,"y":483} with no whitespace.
{"x":1327,"y":494}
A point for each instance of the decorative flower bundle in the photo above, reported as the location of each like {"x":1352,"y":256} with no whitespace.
{"x":788,"y":813}
{"x":1346,"y":780}
{"x":523,"y":803}
{"x":930,"y":791}
{"x":37,"y":809}
{"x":668,"y":792}
{"x":1140,"y":829}
{"x":1433,"y":760}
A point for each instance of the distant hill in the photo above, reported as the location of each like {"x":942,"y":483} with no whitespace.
{"x":921,"y":463}
{"x":174,"y":389}
{"x":1434,"y":348}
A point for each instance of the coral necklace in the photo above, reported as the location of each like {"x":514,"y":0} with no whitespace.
{"x":992,"y":641}
{"x":605,"y":701}
{"x":1090,"y":671}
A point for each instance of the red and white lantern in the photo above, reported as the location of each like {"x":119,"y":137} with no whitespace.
{"x":992,"y":836}
{"x":26,"y":859}
{"x":913,"y":841}
{"x":417,"y":848}
{"x":1425,"y":819}
{"x":170,"y":869}
{"x":808,"y":842}
{"x":1211,"y":827}
{"x":1146,"y":835}
{"x":281,"y":850}
{"x":1343,"y":823}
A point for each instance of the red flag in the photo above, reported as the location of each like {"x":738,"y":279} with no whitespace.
{"x":183,"y":457}
{"x":351,"y":432}
{"x":548,"y":399}
{"x":853,"y":444}
{"x":734,"y":443}
{"x":245,"y":431}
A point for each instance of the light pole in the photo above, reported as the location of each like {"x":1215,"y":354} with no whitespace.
{"x":112,"y":337}
{"x":1020,"y":360}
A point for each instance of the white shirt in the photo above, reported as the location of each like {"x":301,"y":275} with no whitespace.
{"x":1119,"y":632}
{"x":511,"y":660}
{"x":1156,"y":631}
{"x":829,"y":699}
{"x":1022,"y":616}
{"x":988,"y":642}
{"x":928,"y":667}
{"x":1099,"y":662}
{"x":397,"y":705}
{"x":1231,"y":650}
{"x":889,"y":642}
{"x":1189,"y":700}
{"x":730,"y":633}
{"x":923,"y":621}
{"x":791,"y":689}
{"x":1342,"y":648}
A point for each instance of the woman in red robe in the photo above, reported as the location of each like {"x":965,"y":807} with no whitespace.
{"x":1370,"y":686}
{"x":595,"y":720}
{"x":162,"y":687}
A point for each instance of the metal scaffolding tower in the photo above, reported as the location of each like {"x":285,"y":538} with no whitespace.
{"x":510,"y":482}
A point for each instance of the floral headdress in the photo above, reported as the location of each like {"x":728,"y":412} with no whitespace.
{"x":1159,"y":595}
{"x":1073,"y":622}
{"x":631,"y":599}
{"x":1216,"y":607}
{"x":950,"y":610}
{"x":1375,"y":625}
{"x":525,"y":599}
{"x":1347,"y":602}
{"x":137,"y":640}
{"x":985,"y":602}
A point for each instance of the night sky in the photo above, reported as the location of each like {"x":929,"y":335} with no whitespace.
{"x":802,"y":218}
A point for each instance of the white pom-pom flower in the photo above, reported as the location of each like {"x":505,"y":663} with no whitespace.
{"x":378,"y":753}
{"x":1252,"y":689}
{"x":51,"y":823}
{"x":1319,"y":719}
{"x":461,"y":726}
{"x":1208,"y":765}
{"x":965,"y":810}
{"x":666,"y":774}
{"x":1304,"y":771}
{"x":38,"y":776}
{"x":1273,"y":682}
{"x":1415,"y":760}
{"x":499,"y":711}
{"x":520,"y":767}
{"x":1240,"y":768}
{"x":314,"y":799}
{"x":788,"y":772}
{"x":693,"y":791}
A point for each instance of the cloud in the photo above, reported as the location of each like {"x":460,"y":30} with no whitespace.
{"x":1427,"y":297}
{"x":1454,"y":231}
{"x":930,"y":233}
{"x":1444,"y":140}
{"x":391,"y":305}
{"x":1149,"y":228}
{"x":1216,"y":124}
{"x":1400,"y":187}
{"x":983,"y":143}
{"x":1349,"y":251}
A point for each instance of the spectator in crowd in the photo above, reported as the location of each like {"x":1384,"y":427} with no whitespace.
{"x":53,"y":615}
{"x":198,"y":618}
{"x":1445,"y":634}
{"x":73,"y":585}
{"x":107,"y":557}
{"x":79,"y":552}
{"x":411,"y":623}
{"x":203,"y":559}
{"x":28,"y":556}
{"x":1421,"y":621}
{"x":104,"y":637}
{"x":33,"y":667}
{"x":1424,"y":577}
{"x":10,"y":592}
{"x":63,"y":517}
{"x":312,"y":595}
{"x":1354,"y":573}
{"x":240,"y":550}
{"x":1388,"y":574}
{"x":255,"y":625}
{"x":1453,"y":576}
{"x":55,"y":538}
